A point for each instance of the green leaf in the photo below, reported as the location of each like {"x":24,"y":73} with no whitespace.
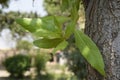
{"x":47,"y":43}
{"x":69,"y":29}
{"x":49,"y":24}
{"x":78,"y":4}
{"x":59,"y":25}
{"x":62,"y":19}
{"x":74,"y":14}
{"x":65,"y":5}
{"x":29,"y":24}
{"x":61,"y":46}
{"x":56,"y":21}
{"x":71,"y":26}
{"x":47,"y":34}
{"x":59,"y":21}
{"x":90,"y":51}
{"x":69,"y":4}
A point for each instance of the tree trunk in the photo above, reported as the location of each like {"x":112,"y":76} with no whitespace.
{"x":103,"y":26}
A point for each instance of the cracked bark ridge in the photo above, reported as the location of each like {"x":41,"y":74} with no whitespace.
{"x":103,"y":26}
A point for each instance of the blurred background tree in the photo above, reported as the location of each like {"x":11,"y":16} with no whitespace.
{"x":7,"y":21}
{"x":17,"y":33}
{"x":4,"y":3}
{"x":52,"y":7}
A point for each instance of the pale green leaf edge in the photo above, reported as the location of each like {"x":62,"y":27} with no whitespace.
{"x":94,"y":65}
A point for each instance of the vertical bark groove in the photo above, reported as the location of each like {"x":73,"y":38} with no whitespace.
{"x":103,"y":26}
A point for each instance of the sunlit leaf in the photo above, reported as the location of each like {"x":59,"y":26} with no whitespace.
{"x":61,"y":46}
{"x":49,"y":23}
{"x":47,"y":43}
{"x":90,"y":51}
{"x":29,"y":24}
{"x":47,"y":34}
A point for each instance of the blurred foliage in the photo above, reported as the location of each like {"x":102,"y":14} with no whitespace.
{"x":17,"y":65}
{"x":76,"y":62}
{"x":7,"y":20}
{"x":4,"y":3}
{"x":40,"y":62}
{"x":52,"y":6}
{"x":46,"y":76}
{"x":24,"y":45}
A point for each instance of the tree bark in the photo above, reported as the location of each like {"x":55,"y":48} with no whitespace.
{"x":103,"y":26}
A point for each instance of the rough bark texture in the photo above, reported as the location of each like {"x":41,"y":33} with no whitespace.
{"x":103,"y":26}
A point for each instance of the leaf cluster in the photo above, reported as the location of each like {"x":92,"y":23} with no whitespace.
{"x":54,"y":31}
